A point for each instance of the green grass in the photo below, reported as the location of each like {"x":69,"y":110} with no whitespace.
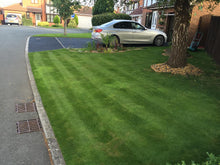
{"x":68,"y":35}
{"x":112,"y":109}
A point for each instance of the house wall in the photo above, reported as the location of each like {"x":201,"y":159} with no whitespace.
{"x":196,"y":14}
{"x":28,"y":3}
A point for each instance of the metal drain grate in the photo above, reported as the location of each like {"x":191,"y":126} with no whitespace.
{"x":25,"y":107}
{"x":27,"y":126}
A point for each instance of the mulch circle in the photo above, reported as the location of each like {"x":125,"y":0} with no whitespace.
{"x":189,"y":69}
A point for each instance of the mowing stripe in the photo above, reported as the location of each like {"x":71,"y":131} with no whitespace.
{"x":82,"y":115}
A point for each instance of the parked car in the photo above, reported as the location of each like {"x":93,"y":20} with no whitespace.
{"x":13,"y":19}
{"x":129,"y":32}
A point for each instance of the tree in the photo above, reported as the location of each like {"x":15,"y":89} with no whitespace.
{"x":183,"y":12}
{"x":65,"y":9}
{"x":103,"y":6}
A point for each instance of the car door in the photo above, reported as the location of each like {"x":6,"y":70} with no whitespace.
{"x":124,"y":31}
{"x":140,"y":34}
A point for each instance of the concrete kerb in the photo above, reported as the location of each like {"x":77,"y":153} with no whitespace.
{"x":53,"y":146}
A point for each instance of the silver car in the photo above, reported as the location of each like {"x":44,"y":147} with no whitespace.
{"x":129,"y":32}
{"x":13,"y":19}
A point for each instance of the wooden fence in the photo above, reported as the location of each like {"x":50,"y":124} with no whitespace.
{"x":212,"y":45}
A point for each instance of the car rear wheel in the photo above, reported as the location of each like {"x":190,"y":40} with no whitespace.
{"x":114,"y":41}
{"x":159,"y":41}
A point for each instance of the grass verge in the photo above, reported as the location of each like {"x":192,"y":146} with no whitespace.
{"x":113,"y":109}
{"x":68,"y":35}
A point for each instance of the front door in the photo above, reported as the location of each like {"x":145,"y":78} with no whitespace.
{"x":154,"y":20}
{"x":37,"y":18}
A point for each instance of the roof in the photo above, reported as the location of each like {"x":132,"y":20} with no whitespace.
{"x":157,"y":6}
{"x":15,"y":7}
{"x":85,"y":10}
{"x":137,"y":11}
{"x":34,"y":10}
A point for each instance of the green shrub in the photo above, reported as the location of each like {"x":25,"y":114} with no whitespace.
{"x":211,"y":160}
{"x":103,"y":6}
{"x":106,"y":17}
{"x":56,"y":20}
{"x":26,"y":22}
{"x":72,"y":24}
{"x":76,"y":19}
{"x":43,"y":24}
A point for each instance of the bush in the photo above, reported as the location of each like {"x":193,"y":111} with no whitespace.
{"x":56,"y":19}
{"x":76,"y":19}
{"x":26,"y":22}
{"x":72,"y":24}
{"x":106,"y":17}
{"x":43,"y":24}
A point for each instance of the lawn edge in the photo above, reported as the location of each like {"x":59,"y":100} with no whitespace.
{"x":50,"y":139}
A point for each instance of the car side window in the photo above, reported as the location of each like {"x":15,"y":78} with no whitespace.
{"x":122,"y":25}
{"x":137,"y":26}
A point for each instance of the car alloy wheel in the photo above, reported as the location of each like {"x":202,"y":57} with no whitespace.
{"x":159,"y":41}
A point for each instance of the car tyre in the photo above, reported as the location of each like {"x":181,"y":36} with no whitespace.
{"x":159,"y":40}
{"x":114,"y":41}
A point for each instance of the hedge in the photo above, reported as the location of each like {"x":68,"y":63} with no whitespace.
{"x":106,"y":17}
{"x":26,"y":22}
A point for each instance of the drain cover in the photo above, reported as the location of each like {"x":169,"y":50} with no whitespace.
{"x":25,"y":107}
{"x":27,"y":126}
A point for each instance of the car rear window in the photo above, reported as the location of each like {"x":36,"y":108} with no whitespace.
{"x":123,"y":25}
{"x":11,"y":16}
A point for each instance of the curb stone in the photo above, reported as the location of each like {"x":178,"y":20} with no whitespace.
{"x":53,"y":146}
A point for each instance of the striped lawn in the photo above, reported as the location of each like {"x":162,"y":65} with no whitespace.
{"x":113,"y":109}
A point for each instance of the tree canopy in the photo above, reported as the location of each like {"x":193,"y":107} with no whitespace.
{"x":103,"y":6}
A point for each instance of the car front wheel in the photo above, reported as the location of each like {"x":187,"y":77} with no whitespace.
{"x":159,"y":41}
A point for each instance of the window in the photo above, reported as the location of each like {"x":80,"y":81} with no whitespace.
{"x":50,"y":17}
{"x":145,"y":3}
{"x":34,"y":1}
{"x":137,"y":26}
{"x":123,"y":25}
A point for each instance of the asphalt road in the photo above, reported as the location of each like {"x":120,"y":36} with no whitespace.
{"x":47,"y":43}
{"x":18,"y":149}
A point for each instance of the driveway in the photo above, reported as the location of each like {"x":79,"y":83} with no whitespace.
{"x":16,"y":148}
{"x":50,"y":43}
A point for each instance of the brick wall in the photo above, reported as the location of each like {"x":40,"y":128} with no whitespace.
{"x":196,"y":14}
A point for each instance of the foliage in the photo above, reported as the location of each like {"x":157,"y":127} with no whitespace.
{"x":106,"y":17}
{"x":72,"y":24}
{"x":43,"y":24}
{"x":56,"y":20}
{"x":211,"y":160}
{"x":76,"y":19}
{"x":103,"y":6}
{"x":26,"y":22}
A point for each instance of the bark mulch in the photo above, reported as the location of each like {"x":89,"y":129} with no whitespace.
{"x":189,"y":69}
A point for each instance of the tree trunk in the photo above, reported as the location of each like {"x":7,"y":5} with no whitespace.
{"x":65,"y":25}
{"x":178,"y":57}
